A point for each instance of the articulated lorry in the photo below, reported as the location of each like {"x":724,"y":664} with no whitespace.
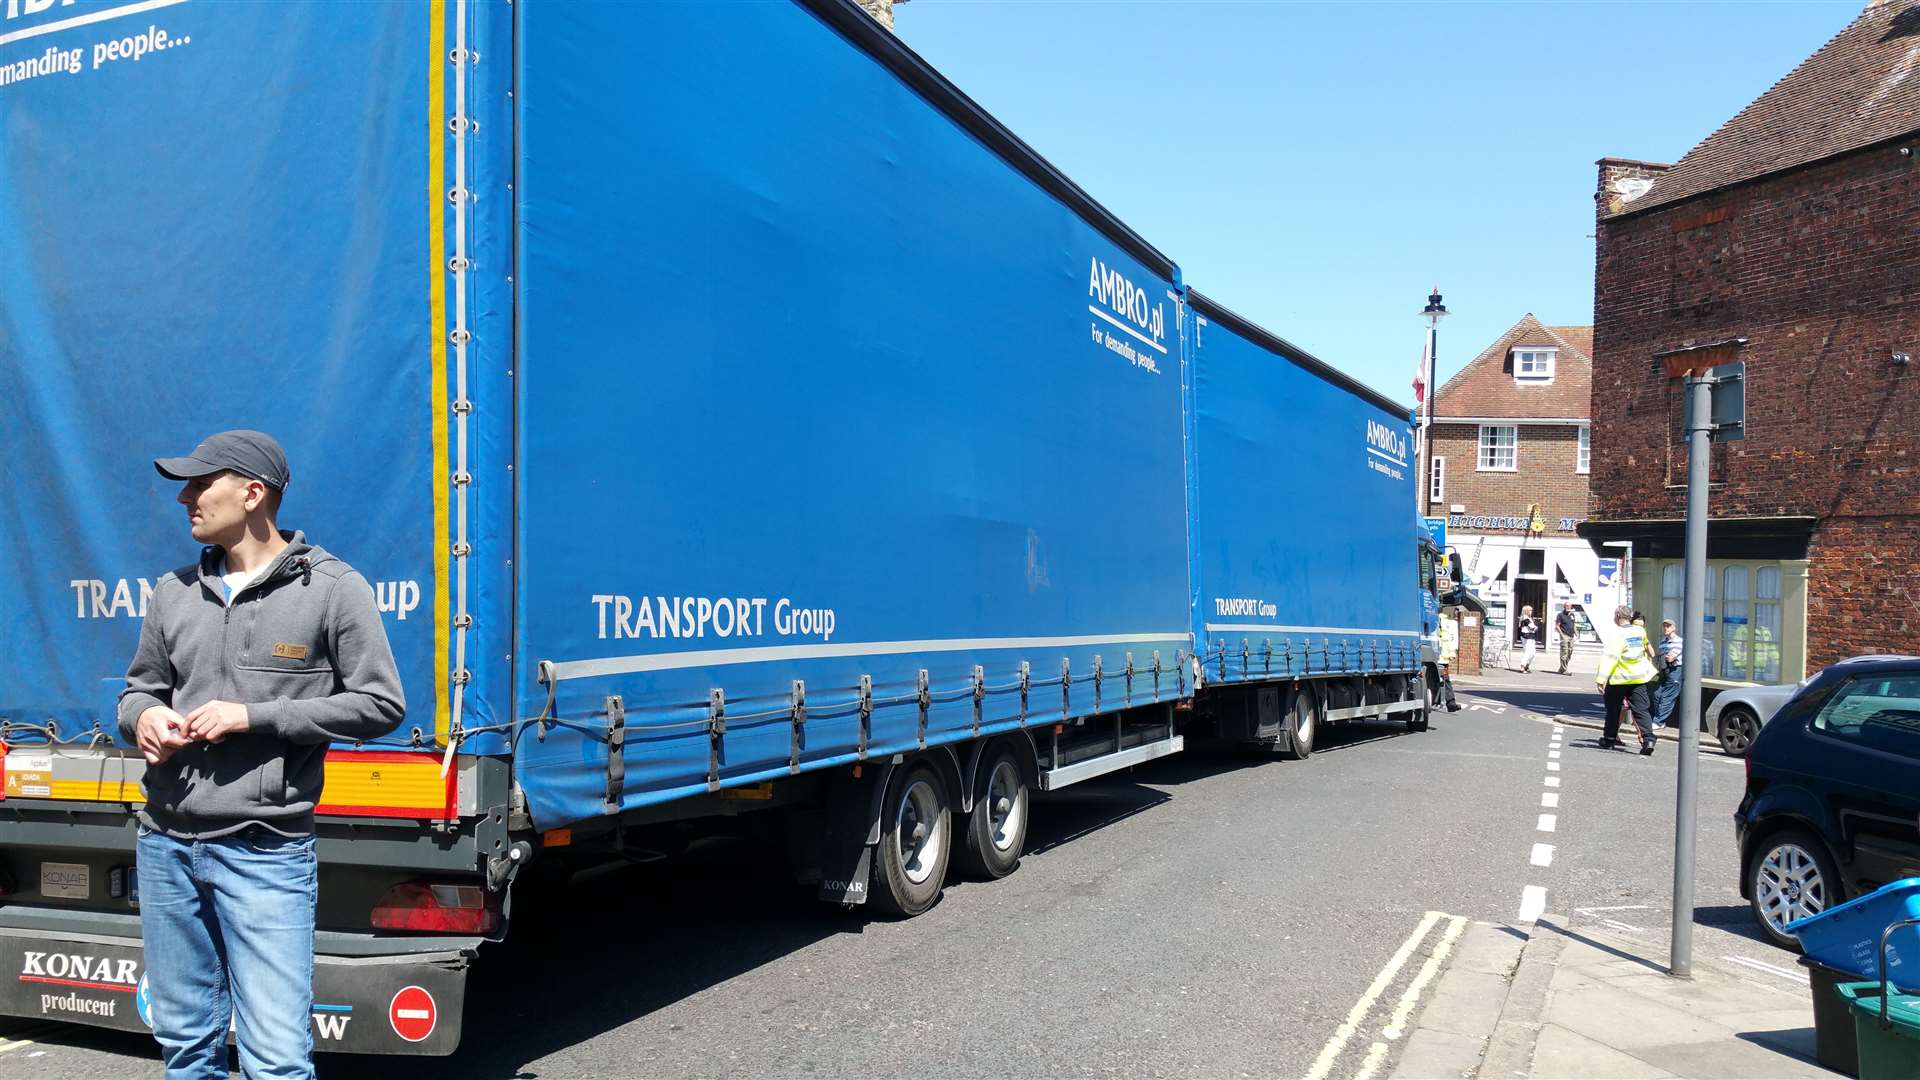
{"x":732,"y":417}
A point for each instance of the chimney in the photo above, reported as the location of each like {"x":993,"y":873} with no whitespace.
{"x":1622,"y":180}
{"x":881,"y":10}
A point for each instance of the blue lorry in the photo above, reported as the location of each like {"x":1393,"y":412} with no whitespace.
{"x":781,"y":437}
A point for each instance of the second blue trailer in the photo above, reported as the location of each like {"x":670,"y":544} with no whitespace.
{"x":1307,"y":572}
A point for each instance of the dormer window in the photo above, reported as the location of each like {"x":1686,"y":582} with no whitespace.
{"x":1533,"y":364}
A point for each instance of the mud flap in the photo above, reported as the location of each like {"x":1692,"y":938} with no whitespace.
{"x":845,"y":853}
{"x":362,"y":1005}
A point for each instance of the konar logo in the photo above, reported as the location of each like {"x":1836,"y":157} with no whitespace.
{"x":79,"y":969}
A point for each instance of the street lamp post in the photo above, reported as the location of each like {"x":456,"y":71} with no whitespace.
{"x":1423,"y":484}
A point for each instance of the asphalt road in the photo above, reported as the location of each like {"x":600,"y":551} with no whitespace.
{"x":1213,"y":914}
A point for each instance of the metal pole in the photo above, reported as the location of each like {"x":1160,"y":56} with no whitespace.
{"x":1699,"y":432}
{"x":1423,"y":484}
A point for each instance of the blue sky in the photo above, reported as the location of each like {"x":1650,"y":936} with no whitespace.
{"x":1319,"y":167}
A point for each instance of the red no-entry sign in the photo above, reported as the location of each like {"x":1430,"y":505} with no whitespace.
{"x":412,"y":1014}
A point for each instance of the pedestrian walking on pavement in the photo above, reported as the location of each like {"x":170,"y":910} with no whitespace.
{"x":1626,"y":667}
{"x":250,"y":662}
{"x":1568,"y":629}
{"x":1529,"y":628}
{"x":1667,"y":655}
{"x":1449,"y":651}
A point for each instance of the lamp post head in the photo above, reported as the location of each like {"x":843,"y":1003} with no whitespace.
{"x":1435,"y":309}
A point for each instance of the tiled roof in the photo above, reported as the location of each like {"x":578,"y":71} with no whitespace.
{"x":1861,"y":88}
{"x":1486,"y":386}
{"x":1579,"y":337}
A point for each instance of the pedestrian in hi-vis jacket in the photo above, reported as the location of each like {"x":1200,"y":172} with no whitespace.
{"x":1626,"y":667}
{"x":250,"y":662}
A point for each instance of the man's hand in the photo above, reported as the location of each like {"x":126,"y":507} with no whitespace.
{"x":216,"y":720}
{"x":160,"y":732}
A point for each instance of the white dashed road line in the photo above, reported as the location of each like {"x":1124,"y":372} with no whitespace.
{"x":1550,"y":799}
{"x":1542,"y":855}
{"x":1533,"y":901}
{"x":1548,"y":822}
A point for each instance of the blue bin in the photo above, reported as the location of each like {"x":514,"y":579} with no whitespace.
{"x":1848,"y":937}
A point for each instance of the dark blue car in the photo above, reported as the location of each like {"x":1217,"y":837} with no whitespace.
{"x":1832,"y":808}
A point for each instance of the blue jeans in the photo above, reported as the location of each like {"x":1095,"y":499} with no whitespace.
{"x":1666,"y":694}
{"x":228,"y":929}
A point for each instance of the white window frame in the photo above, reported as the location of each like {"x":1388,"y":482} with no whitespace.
{"x":1540,"y":358}
{"x":1512,"y":447}
{"x":1437,"y":480}
{"x":1536,"y":366}
{"x":1583,"y":456}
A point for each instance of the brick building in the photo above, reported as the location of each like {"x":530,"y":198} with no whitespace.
{"x":1790,"y":239}
{"x":1506,"y":464}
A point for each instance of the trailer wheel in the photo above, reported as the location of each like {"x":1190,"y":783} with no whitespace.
{"x":916,"y":839}
{"x":1302,"y":724}
{"x":1422,"y":717}
{"x":996,"y":832}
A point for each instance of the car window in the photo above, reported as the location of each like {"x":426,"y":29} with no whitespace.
{"x":1880,"y":712}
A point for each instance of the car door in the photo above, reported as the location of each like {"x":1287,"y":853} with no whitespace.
{"x":1865,"y":741}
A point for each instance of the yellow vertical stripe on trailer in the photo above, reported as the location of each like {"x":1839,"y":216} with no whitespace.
{"x":437,"y":201}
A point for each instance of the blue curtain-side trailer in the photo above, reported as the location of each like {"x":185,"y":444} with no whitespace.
{"x":733,"y":419}
{"x":1308,"y":572}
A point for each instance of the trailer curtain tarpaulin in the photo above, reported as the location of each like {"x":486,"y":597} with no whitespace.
{"x":215,"y":216}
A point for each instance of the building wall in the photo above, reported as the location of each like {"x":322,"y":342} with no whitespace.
{"x":1545,"y":459}
{"x":1819,"y":269}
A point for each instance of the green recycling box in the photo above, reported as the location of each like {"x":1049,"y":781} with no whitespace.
{"x":1889,"y":1046}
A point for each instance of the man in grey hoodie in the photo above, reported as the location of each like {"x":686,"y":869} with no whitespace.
{"x":250,"y":663}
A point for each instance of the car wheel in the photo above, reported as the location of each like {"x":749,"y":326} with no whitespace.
{"x":1739,"y":726}
{"x":1790,"y":877}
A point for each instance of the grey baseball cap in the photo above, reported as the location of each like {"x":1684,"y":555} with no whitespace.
{"x":250,"y":453}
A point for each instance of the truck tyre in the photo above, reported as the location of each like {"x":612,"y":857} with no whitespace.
{"x":1302,"y":725}
{"x":996,"y":832}
{"x":916,"y":839}
{"x":1421,"y":717}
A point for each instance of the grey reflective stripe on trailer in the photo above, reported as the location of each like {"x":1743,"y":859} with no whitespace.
{"x":1363,"y":712}
{"x":563,"y":670}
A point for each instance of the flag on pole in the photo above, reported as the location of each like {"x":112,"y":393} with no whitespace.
{"x":1420,"y":376}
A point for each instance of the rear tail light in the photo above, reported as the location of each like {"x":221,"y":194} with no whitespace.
{"x":437,"y":909}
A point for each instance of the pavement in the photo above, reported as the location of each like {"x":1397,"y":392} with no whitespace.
{"x":1558,"y":1000}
